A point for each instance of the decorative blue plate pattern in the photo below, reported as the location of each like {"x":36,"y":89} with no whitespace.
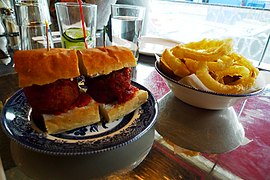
{"x":16,"y":122}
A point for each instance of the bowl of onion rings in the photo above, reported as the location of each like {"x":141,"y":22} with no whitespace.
{"x":209,"y":74}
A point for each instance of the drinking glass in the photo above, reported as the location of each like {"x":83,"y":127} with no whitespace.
{"x":31,"y":16}
{"x":71,"y":24}
{"x":127,"y":25}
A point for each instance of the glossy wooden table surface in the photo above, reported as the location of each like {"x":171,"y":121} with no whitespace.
{"x":251,"y":161}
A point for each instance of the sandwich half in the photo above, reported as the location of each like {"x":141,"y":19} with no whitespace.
{"x":107,"y":72}
{"x":49,"y":82}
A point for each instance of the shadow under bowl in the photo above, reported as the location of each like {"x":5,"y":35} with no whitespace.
{"x":197,"y":129}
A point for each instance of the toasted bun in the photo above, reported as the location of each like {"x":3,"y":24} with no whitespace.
{"x":40,"y":66}
{"x":112,"y":112}
{"x":72,"y":119}
{"x":104,"y":60}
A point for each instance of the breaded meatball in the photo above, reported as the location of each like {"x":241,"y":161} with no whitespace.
{"x":114,"y":87}
{"x":52,"y":98}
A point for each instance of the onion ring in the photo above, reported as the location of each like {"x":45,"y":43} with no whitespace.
{"x":211,"y":83}
{"x":218,"y":65}
{"x":233,"y":71}
{"x":177,"y":66}
{"x":215,"y":63}
{"x":204,"y":50}
{"x":241,"y":60}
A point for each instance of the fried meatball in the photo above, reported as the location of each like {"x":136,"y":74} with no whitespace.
{"x":114,"y":87}
{"x":54,"y":97}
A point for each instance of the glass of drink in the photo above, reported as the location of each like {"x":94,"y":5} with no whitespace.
{"x":127,"y":25}
{"x":31,"y":16}
{"x":76,"y":30}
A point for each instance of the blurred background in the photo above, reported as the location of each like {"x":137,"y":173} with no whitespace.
{"x":246,"y":21}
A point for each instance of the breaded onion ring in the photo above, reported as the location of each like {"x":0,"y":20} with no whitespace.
{"x":177,"y":66}
{"x":204,"y":50}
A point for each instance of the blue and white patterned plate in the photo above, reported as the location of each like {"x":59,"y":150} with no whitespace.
{"x":18,"y":125}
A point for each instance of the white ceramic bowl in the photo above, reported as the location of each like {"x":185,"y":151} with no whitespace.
{"x":200,"y":98}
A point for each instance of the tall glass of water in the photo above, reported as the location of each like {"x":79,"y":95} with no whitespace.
{"x":127,"y":25}
{"x":31,"y":16}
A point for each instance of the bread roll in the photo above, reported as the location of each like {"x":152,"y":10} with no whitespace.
{"x":112,"y":112}
{"x":104,"y":60}
{"x":72,"y":119}
{"x":40,"y":66}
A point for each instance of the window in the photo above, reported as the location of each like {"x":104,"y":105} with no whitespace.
{"x":240,"y":3}
{"x":188,"y":21}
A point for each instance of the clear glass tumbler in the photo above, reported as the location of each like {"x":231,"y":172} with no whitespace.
{"x":74,"y":29}
{"x":31,"y":16}
{"x":127,"y":25}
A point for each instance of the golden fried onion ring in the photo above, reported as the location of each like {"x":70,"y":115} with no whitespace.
{"x":241,"y":60}
{"x":215,"y":64}
{"x":177,"y":66}
{"x":218,"y":65}
{"x":204,"y":50}
{"x":233,"y":71}
{"x":211,"y":83}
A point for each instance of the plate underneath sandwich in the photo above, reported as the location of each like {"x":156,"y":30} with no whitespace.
{"x":17,"y":124}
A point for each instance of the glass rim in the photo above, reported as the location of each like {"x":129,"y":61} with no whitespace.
{"x":127,"y":6}
{"x":75,"y":4}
